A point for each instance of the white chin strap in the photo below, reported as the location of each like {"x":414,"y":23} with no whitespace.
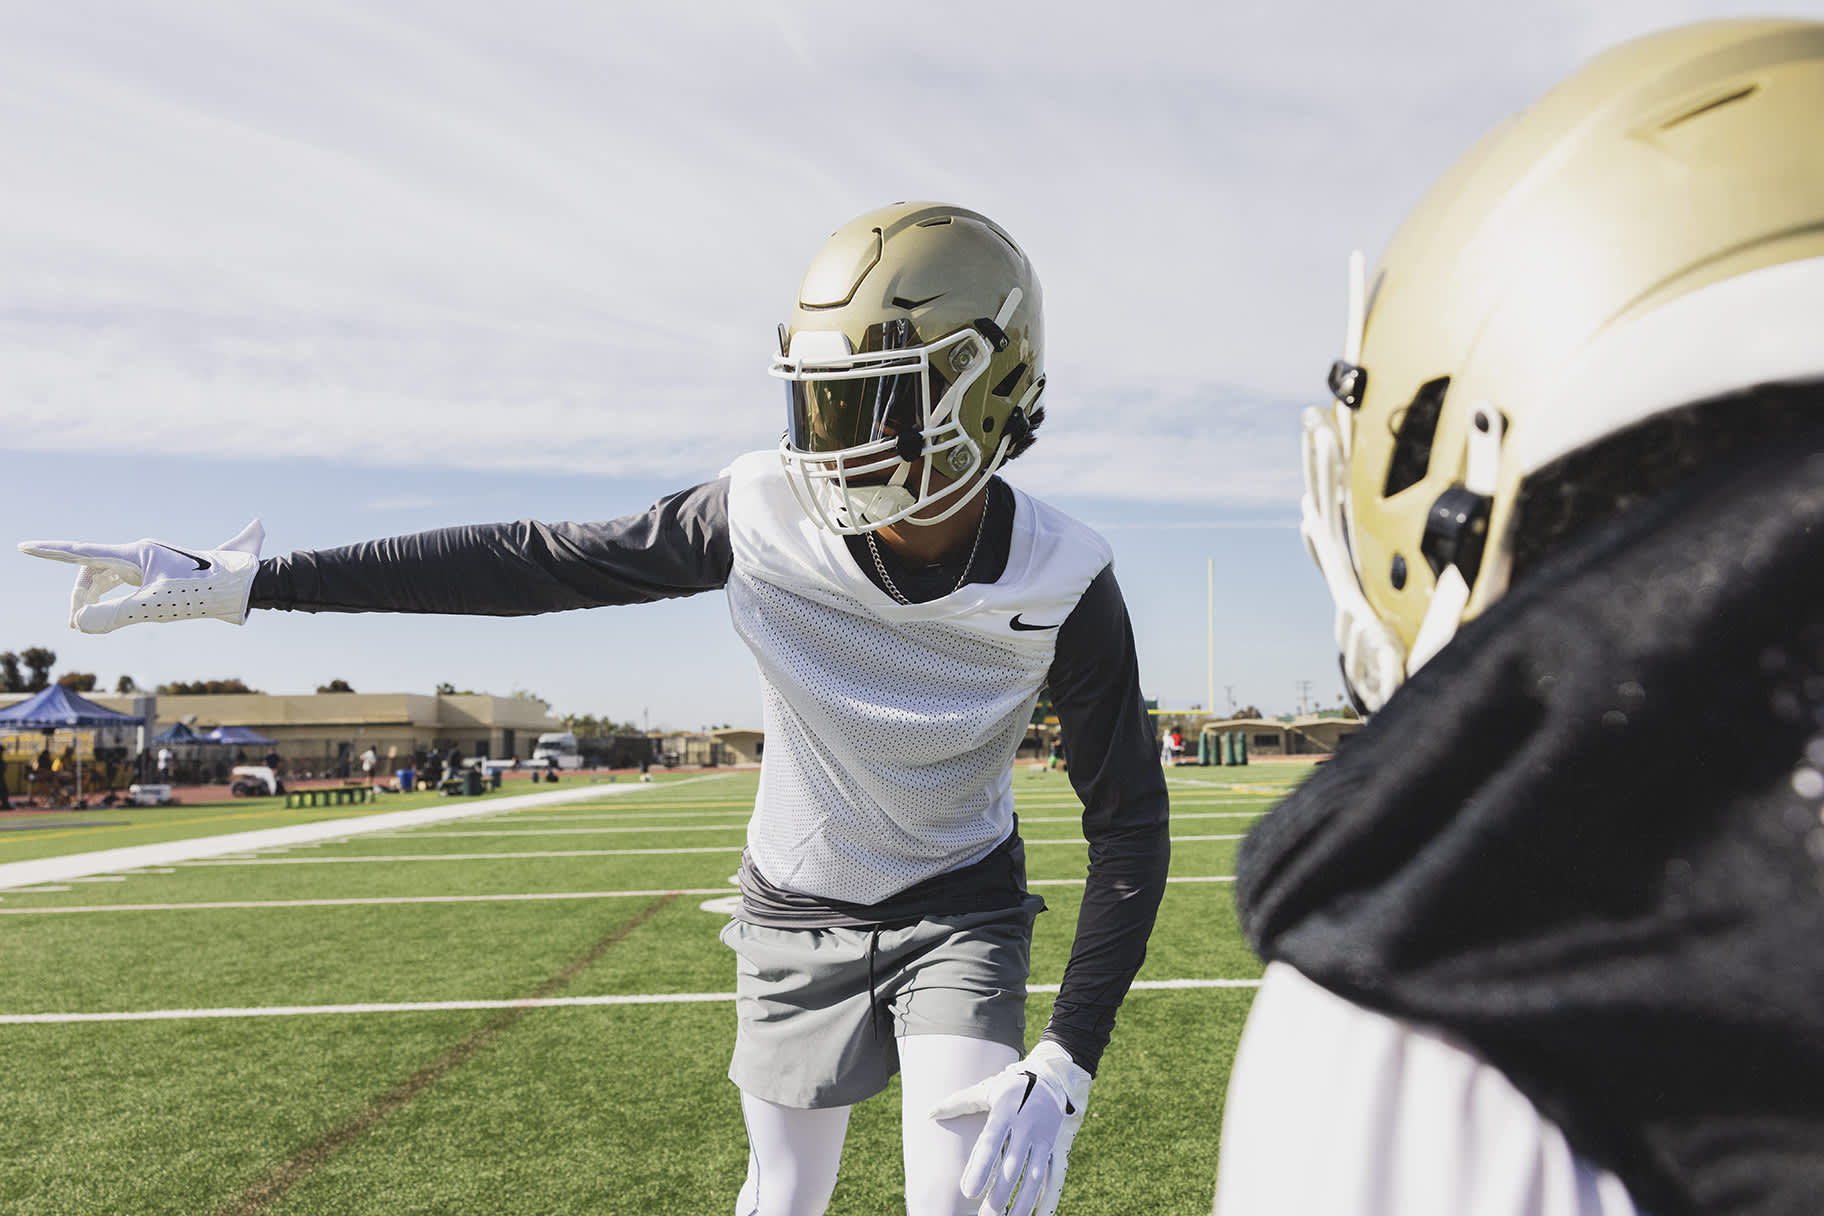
{"x":869,"y":507}
{"x":1451,"y":596}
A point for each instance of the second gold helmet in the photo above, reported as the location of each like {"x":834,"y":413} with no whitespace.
{"x":916,"y":343}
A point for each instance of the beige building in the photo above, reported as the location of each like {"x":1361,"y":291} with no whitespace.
{"x":316,"y":732}
{"x":313,"y":733}
{"x":741,"y":745}
{"x":694,"y":749}
{"x":1305,"y":735}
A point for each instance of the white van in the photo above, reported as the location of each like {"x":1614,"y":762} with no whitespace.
{"x":557,"y":751}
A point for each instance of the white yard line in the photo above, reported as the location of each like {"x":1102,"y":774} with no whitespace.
{"x":355,"y":901}
{"x":1035,"y":805}
{"x":1174,"y":839}
{"x":651,"y":814}
{"x":531,"y":855}
{"x":133,"y":857}
{"x":1077,"y":882}
{"x":537,"y":854}
{"x":643,"y":827}
{"x":1265,"y":791}
{"x":651,"y":826}
{"x":666,"y":998}
{"x":1176,"y":816}
{"x":367,"y":900}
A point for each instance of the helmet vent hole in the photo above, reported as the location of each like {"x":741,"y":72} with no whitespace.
{"x":1009,"y":381}
{"x":1417,"y":426}
{"x":933,"y":222}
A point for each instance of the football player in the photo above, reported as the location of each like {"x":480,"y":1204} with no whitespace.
{"x":1543,"y":939}
{"x":905,"y":605}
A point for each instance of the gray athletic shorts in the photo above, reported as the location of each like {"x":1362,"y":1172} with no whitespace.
{"x":819,"y":1011}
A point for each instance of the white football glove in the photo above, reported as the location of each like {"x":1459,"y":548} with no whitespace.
{"x":174,"y":584}
{"x":1034,"y":1109}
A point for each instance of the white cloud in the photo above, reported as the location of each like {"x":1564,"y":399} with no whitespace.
{"x":450,"y":235}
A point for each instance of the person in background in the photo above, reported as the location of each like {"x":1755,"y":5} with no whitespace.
{"x":430,"y":772}
{"x":1544,"y":939}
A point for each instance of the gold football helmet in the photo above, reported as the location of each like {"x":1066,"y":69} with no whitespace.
{"x":917,"y":344}
{"x":1647,"y":236}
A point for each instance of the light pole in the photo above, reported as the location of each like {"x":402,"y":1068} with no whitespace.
{"x":1211,"y":580}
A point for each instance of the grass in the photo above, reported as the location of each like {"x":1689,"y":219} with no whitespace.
{"x":598,"y":1108}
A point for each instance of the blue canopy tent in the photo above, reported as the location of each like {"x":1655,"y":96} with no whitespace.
{"x":57,"y":708}
{"x":179,"y":733}
{"x":237,"y":736}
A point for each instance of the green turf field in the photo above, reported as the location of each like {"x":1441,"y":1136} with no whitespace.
{"x":519,"y":1012}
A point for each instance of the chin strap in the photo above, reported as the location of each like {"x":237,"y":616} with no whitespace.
{"x":872,"y":506}
{"x":1457,"y":534}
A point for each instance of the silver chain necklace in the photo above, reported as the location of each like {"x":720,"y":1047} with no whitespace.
{"x":880,"y":567}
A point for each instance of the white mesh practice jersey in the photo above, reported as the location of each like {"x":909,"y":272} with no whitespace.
{"x":890,"y":728}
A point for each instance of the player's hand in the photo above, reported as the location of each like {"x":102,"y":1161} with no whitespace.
{"x":1034,"y":1109}
{"x":174,"y":584}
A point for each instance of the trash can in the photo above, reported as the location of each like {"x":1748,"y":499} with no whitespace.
{"x":471,"y":781}
{"x":407,"y":777}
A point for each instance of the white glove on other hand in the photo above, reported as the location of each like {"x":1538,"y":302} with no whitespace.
{"x":1034,"y":1110}
{"x":174,"y":584}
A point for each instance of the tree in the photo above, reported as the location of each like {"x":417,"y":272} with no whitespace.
{"x":447,"y":689}
{"x":11,"y":680}
{"x":198,"y":688}
{"x":1248,"y":711}
{"x":77,"y":681}
{"x":40,"y":661}
{"x":335,"y":686}
{"x":588,"y":726}
{"x":125,"y":685}
{"x":521,"y":694}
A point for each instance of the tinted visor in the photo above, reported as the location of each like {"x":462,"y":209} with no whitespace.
{"x":830,"y":415}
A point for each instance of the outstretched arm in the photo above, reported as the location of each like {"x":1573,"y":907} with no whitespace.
{"x":678,"y":547}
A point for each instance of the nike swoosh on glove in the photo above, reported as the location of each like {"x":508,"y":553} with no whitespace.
{"x":1034,"y":1110}
{"x":174,"y":584}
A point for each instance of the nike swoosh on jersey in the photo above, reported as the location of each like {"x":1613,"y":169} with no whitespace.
{"x":1024,"y":626}
{"x":201,"y":563}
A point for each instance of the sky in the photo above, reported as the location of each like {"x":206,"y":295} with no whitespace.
{"x":357,"y":269}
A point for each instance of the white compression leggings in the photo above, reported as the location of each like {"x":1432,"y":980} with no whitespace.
{"x":792,"y":1154}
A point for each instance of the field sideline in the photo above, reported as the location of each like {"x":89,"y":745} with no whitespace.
{"x":522,"y":1010}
